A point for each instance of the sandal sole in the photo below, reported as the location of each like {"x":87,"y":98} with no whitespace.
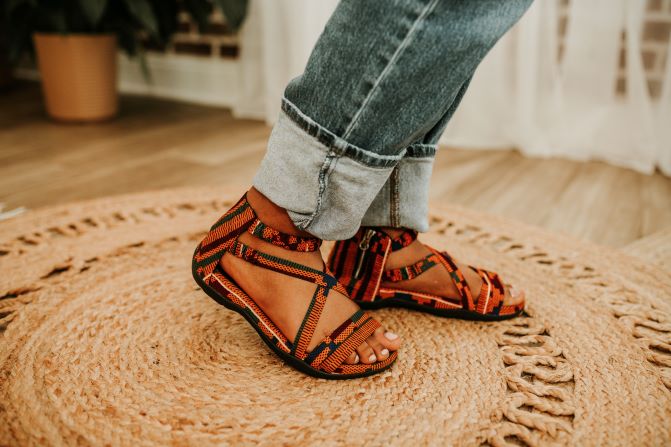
{"x":460,"y":314}
{"x":290,"y":360}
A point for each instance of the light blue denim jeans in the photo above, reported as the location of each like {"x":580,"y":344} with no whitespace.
{"x":355,"y":141}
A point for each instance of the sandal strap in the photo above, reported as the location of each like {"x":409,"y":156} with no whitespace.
{"x":268,"y":261}
{"x":402,"y":240}
{"x":492,"y":292}
{"x":457,"y":278}
{"x":338,"y":286}
{"x":224,"y":231}
{"x":240,"y":218}
{"x":490,"y":296}
{"x":288,"y":241}
{"x":411,"y":271}
{"x":310,"y":320}
{"x":223,"y":238}
{"x":325,"y":282}
{"x":337,"y":346}
{"x":313,"y":314}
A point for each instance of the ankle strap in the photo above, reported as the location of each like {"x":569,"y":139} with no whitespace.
{"x":284,"y":240}
{"x":411,"y":271}
{"x":402,"y":240}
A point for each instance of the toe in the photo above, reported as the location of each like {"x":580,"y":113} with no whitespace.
{"x":366,"y":354}
{"x":353,"y":359}
{"x":513,"y":296}
{"x":380,"y":351}
{"x":387,"y":339}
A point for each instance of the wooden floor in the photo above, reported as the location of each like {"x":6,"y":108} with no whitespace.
{"x":161,"y":144}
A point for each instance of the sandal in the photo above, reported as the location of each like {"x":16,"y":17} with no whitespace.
{"x":326,"y":360}
{"x":359,"y":262}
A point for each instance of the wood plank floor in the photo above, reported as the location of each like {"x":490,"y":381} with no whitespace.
{"x":161,"y":144}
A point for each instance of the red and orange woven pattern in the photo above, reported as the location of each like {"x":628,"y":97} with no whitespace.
{"x":358,"y":263}
{"x":330,"y":354}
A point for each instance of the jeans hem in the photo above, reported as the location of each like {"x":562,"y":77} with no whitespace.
{"x":421,"y":151}
{"x":324,"y":191}
{"x":338,"y":145}
{"x":403,"y":201}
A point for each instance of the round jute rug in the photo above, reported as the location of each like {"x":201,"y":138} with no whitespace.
{"x":106,"y":340}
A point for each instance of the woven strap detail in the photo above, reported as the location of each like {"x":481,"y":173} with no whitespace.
{"x":284,"y":240}
{"x":491,"y":294}
{"x":457,"y":278}
{"x":403,"y":240}
{"x":223,"y":238}
{"x":336,"y":347}
{"x":240,"y":218}
{"x":222,"y":234}
{"x":413,"y":270}
{"x":265,"y":260}
{"x":338,"y":287}
{"x":310,"y":320}
{"x":324,"y":280}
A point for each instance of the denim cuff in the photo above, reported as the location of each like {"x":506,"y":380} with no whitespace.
{"x":403,"y":200}
{"x":324,"y":183}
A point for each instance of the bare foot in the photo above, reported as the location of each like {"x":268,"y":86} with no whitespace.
{"x":436,"y":281}
{"x":285,"y":299}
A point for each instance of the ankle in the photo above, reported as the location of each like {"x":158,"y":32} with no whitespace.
{"x":271,"y":214}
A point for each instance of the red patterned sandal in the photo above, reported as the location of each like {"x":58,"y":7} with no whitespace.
{"x":326,"y":360}
{"x":359,"y":262}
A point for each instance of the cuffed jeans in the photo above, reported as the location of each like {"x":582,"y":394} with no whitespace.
{"x":355,"y":142}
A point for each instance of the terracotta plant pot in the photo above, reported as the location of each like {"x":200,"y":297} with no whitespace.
{"x":79,"y":75}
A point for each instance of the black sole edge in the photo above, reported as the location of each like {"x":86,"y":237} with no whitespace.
{"x":288,"y":359}
{"x":459,"y":314}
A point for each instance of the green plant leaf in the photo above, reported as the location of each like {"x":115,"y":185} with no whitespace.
{"x":166,"y":17}
{"x":144,"y":65}
{"x":55,"y":20}
{"x":13,"y":4}
{"x":200,"y":11}
{"x":19,"y":34}
{"x":126,"y":35}
{"x":93,"y":10}
{"x":134,"y":22}
{"x":234,"y":11}
{"x":142,"y":11}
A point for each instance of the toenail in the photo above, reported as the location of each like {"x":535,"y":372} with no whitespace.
{"x":356,"y":358}
{"x":384,"y":352}
{"x":372,"y":358}
{"x":390,"y":335}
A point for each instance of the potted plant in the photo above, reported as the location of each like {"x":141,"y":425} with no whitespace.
{"x":76,"y":43}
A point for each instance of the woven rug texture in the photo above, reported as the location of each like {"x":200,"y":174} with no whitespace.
{"x":106,"y":340}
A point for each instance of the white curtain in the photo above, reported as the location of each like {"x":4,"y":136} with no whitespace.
{"x":522,"y":95}
{"x":276,"y":40}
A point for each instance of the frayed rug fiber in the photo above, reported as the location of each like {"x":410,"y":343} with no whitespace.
{"x":106,"y":340}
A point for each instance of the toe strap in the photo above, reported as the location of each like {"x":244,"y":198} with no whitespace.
{"x":491,"y":292}
{"x":336,"y":347}
{"x":489,"y":300}
{"x":492,"y":295}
